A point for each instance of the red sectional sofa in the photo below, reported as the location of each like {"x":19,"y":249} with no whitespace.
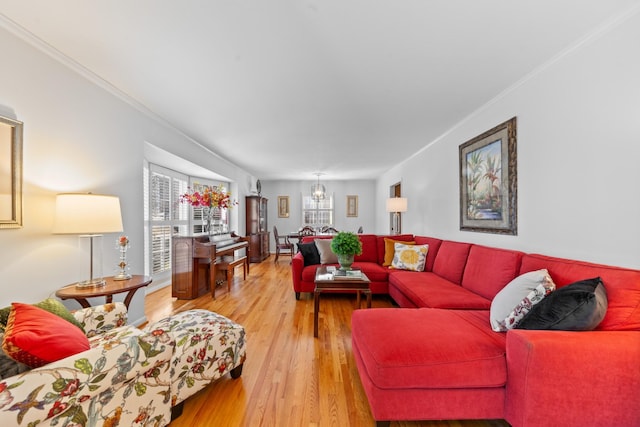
{"x":437,"y":357}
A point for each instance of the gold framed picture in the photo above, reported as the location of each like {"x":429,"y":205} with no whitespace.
{"x":488,"y":183}
{"x":10,"y":173}
{"x":283,"y":206}
{"x":352,"y":206}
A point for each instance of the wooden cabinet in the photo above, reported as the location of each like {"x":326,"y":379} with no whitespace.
{"x":259,"y":246}
{"x":257,"y":228}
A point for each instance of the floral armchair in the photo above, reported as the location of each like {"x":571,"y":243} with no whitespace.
{"x":129,"y":376}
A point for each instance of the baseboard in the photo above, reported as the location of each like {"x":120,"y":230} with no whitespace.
{"x":139,"y":321}
{"x":156,"y":287}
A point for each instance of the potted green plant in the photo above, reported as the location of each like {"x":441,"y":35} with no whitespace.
{"x":345,"y":245}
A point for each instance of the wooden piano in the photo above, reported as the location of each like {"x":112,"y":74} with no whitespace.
{"x":193,"y":264}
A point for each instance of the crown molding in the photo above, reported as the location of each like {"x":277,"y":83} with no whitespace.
{"x":49,"y":50}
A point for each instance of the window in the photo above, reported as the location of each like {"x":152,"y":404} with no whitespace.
{"x":317,"y":213}
{"x":164,"y":216}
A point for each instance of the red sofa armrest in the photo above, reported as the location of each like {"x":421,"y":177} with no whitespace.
{"x":558,"y":378}
{"x":297,"y":265}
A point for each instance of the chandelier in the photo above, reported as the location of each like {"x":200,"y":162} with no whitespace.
{"x":318,"y":192}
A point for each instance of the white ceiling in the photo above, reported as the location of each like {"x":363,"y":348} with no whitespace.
{"x":286,"y":88}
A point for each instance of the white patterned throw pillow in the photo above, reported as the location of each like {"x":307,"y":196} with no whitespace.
{"x":409,"y":257}
{"x":515,"y":300}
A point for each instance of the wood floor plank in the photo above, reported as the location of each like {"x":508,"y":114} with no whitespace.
{"x":290,"y":378}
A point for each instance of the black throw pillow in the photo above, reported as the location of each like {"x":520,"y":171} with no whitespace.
{"x":310,"y":253}
{"x":580,"y":306}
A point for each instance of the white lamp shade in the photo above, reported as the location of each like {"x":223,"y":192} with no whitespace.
{"x":87,"y":214}
{"x":397,"y":204}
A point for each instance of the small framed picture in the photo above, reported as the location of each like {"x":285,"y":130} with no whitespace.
{"x":283,"y":206}
{"x":352,"y":206}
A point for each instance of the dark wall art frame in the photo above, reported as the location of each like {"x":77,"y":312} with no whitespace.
{"x":488,"y":181}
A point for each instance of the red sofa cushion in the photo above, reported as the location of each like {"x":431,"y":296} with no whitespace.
{"x":409,"y":348}
{"x":451,"y":259}
{"x":430,"y":290}
{"x":369,"y":248}
{"x":434,"y":245}
{"x":621,"y":284}
{"x":375,"y":272}
{"x":488,"y":270}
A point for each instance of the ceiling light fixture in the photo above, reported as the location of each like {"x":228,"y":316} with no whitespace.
{"x":318,"y":192}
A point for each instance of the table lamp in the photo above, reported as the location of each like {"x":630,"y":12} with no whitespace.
{"x":396,"y":205}
{"x":89,"y":216}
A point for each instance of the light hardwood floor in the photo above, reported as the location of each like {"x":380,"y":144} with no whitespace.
{"x":290,"y":378}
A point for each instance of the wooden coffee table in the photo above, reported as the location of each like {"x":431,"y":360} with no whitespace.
{"x":326,"y":282}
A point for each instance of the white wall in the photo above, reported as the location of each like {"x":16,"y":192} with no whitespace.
{"x":364,"y":189}
{"x":578,"y":154}
{"x":77,"y":138}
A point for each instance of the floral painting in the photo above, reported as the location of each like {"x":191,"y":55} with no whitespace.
{"x":484,"y":199}
{"x":488,"y":181}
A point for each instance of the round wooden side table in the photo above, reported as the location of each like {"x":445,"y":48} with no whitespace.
{"x":111,"y":288}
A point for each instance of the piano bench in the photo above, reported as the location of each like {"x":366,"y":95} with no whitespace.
{"x":228,"y":265}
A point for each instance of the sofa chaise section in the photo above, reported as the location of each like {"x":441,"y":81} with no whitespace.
{"x":418,"y":364}
{"x":437,"y":356}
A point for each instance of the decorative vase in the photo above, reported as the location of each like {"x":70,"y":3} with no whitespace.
{"x":123,"y":274}
{"x":345,"y":261}
{"x":207,"y":213}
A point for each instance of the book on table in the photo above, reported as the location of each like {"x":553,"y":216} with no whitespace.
{"x":348,"y":274}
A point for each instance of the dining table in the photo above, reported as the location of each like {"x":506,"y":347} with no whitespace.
{"x":295,"y":235}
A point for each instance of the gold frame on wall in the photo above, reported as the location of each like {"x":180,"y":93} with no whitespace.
{"x":488,"y":181}
{"x":10,"y":173}
{"x":352,"y":206}
{"x":283,"y":206}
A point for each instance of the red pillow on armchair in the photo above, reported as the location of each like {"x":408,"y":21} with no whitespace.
{"x":37,"y":337}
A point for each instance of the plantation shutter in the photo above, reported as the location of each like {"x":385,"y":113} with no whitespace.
{"x":167,"y":215}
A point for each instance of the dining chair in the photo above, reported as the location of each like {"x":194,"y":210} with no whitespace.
{"x":307,"y":231}
{"x":327,"y":229}
{"x":282,"y":244}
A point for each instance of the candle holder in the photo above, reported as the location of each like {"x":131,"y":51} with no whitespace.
{"x":123,"y":245}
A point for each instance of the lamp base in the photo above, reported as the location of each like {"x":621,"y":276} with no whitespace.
{"x":122,"y":276}
{"x":395,"y":228}
{"x":95,"y":283}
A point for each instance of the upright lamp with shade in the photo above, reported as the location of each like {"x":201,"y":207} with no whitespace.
{"x":89,"y":216}
{"x":396,"y":205}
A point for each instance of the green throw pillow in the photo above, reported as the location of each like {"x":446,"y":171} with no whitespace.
{"x":51,"y":305}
